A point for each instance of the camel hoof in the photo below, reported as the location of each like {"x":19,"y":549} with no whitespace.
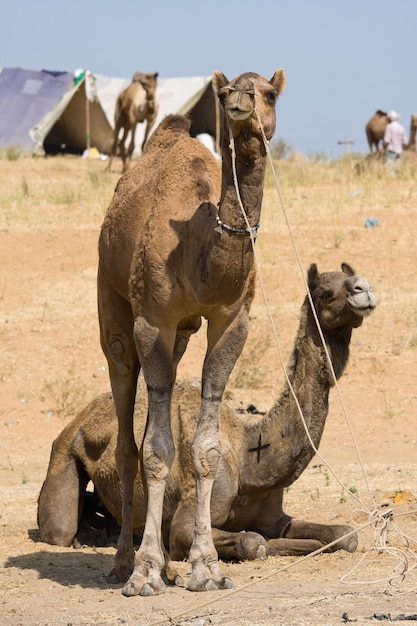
{"x":178,"y":581}
{"x":147,"y":590}
{"x":113,"y":579}
{"x":349,"y":544}
{"x":261,"y":553}
{"x":207,"y":584}
{"x":143,"y":586}
{"x":129,"y":590}
{"x":227,"y":583}
{"x":210,"y":585}
{"x":352,"y":544}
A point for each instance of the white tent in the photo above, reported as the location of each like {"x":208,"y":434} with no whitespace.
{"x":193,"y":96}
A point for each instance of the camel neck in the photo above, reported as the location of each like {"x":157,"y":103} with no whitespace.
{"x":281,"y":431}
{"x":309,"y":361}
{"x":248,"y":175}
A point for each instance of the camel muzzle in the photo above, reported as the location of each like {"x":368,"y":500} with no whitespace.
{"x":240,"y":100}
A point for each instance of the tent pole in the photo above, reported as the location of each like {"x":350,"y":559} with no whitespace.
{"x":87,"y":124}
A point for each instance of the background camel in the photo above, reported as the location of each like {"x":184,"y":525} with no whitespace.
{"x":375,"y":130}
{"x":135,"y":104}
{"x":413,"y":131}
{"x":174,"y":246}
{"x":259,"y":456}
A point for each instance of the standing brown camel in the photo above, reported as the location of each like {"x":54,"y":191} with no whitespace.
{"x":259,"y":456}
{"x":135,"y":104}
{"x":413,"y":131}
{"x":174,"y":247}
{"x":375,"y":130}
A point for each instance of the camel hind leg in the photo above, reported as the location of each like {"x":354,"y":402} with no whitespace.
{"x":113,"y":150}
{"x":116,"y":336}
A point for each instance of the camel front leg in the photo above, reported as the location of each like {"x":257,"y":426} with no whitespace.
{"x":302,"y":537}
{"x":225,"y":343}
{"x":115,"y":144}
{"x":128,"y":156}
{"x":287,"y":536}
{"x":230,"y":545}
{"x":155,"y":349}
{"x":149,"y":124}
{"x":127,"y":466}
{"x":122,"y":146}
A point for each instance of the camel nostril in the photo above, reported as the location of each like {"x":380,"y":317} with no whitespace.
{"x":361,"y":285}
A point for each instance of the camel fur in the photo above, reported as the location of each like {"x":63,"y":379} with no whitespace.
{"x":135,"y":104}
{"x":174,"y":247}
{"x":260,"y":456}
{"x":375,"y":130}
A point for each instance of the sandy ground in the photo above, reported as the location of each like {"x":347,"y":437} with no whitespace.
{"x":51,"y":364}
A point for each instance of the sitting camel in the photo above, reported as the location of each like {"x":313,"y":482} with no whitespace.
{"x":375,"y":130}
{"x":135,"y":104}
{"x":175,"y":246}
{"x":259,"y":456}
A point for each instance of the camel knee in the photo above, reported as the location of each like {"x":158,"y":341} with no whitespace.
{"x":206,"y":459}
{"x":116,"y":351}
{"x":158,"y":457}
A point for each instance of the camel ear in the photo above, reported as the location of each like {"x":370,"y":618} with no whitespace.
{"x":219,"y":80}
{"x":312,"y":276}
{"x":347,"y":269}
{"x":279,"y":81}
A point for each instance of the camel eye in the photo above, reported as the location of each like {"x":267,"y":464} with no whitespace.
{"x":326,"y":295}
{"x":222,"y":93}
{"x":271,"y":96}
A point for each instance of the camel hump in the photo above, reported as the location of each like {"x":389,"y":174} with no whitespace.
{"x":170,"y":130}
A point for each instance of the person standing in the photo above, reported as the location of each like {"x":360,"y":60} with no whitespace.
{"x":394,"y":137}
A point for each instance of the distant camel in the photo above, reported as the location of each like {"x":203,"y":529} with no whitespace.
{"x":135,"y":104}
{"x":260,"y":456}
{"x":413,"y":131}
{"x":175,"y":247}
{"x":375,"y":130}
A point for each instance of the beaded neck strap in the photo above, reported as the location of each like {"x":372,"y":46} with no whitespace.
{"x":253,"y":230}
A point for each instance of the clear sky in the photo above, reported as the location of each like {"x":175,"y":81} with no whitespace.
{"x":344,"y":59}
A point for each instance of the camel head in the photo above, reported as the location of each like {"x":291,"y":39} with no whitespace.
{"x":240,"y":96}
{"x":148,"y":81}
{"x":341,"y":299}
